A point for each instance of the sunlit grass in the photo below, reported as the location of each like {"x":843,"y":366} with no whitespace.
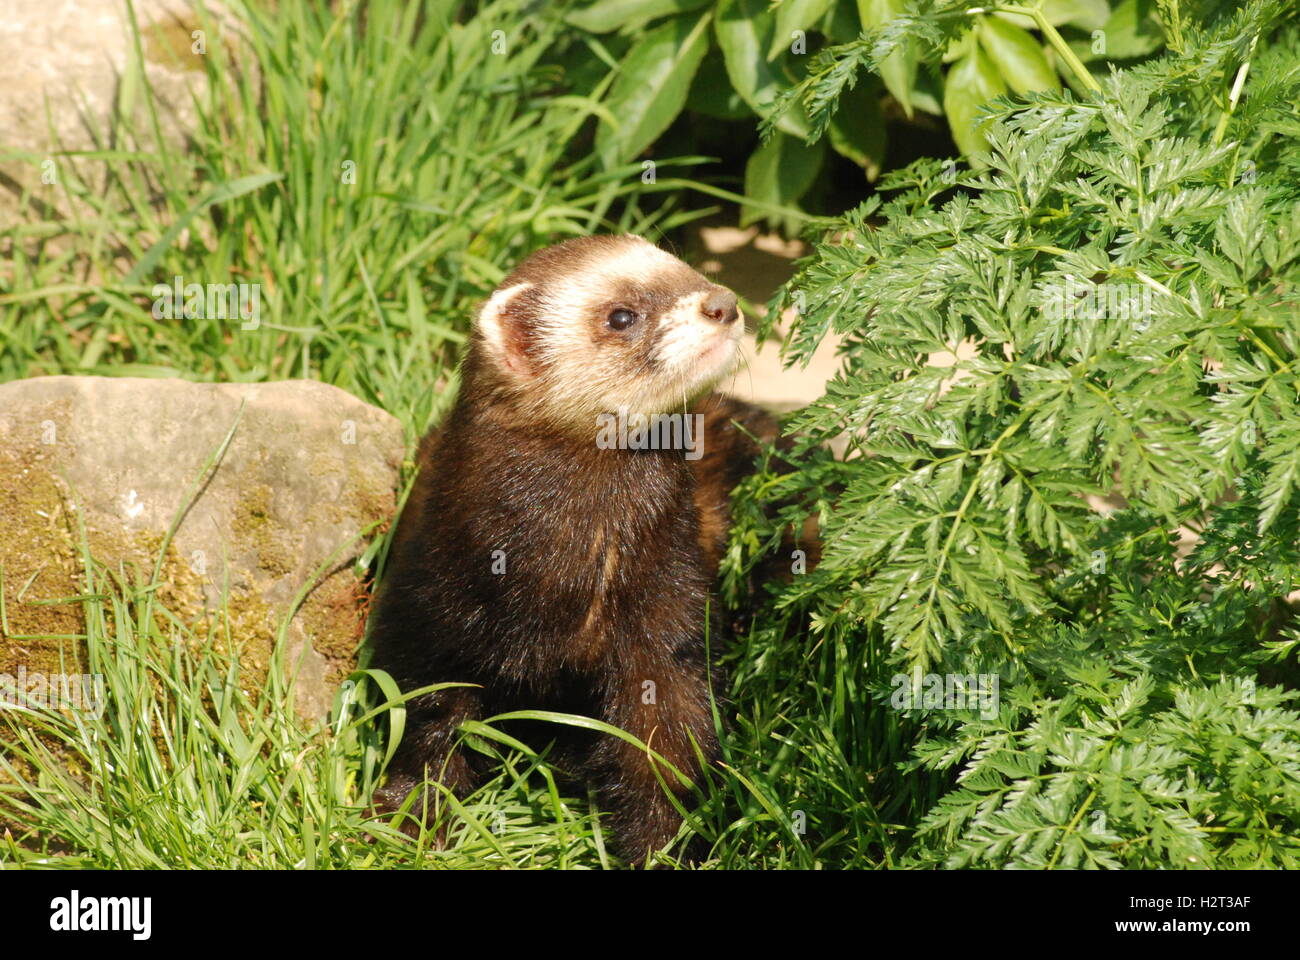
{"x":376,"y":182}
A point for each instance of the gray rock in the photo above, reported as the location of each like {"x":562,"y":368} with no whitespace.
{"x":309,"y":473}
{"x":71,"y":57}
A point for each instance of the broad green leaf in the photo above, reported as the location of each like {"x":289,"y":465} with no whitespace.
{"x":972,"y":82}
{"x":780,"y":172}
{"x":1130,"y":32}
{"x":606,"y":15}
{"x":712,"y":93}
{"x":899,"y":69}
{"x":1017,"y":56}
{"x":841,"y":22}
{"x":857,"y":130}
{"x":1019,"y":19}
{"x":959,"y":47}
{"x":745,"y":29}
{"x":1084,"y":14}
{"x":652,"y":87}
{"x":794,"y":15}
{"x":927,"y":92}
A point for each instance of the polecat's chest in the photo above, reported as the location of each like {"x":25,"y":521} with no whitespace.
{"x":551,"y":562}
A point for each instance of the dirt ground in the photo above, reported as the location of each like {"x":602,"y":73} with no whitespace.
{"x":754,"y":264}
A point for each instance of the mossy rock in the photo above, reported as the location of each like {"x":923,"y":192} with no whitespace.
{"x":309,"y":477}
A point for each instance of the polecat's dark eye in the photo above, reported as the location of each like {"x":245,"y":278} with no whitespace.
{"x":621,"y":319}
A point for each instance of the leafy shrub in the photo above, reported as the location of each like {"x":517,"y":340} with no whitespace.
{"x":1123,"y":276}
{"x":990,"y":50}
{"x":733,"y":61}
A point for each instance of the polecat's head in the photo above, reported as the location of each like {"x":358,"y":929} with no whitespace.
{"x":598,"y":323}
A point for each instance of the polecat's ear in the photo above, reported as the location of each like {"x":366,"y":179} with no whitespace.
{"x":502,"y":326}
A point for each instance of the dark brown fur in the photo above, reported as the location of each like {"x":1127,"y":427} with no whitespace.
{"x":610,"y":556}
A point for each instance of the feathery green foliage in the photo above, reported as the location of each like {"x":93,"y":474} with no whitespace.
{"x":1124,"y":273}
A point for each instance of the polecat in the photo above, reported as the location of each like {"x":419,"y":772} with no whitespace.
{"x":558,"y":559}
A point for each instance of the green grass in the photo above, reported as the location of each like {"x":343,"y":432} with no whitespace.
{"x":191,"y":765}
{"x":464,"y":161}
{"x":187,"y":768}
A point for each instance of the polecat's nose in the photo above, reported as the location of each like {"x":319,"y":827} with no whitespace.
{"x":720,"y":307}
